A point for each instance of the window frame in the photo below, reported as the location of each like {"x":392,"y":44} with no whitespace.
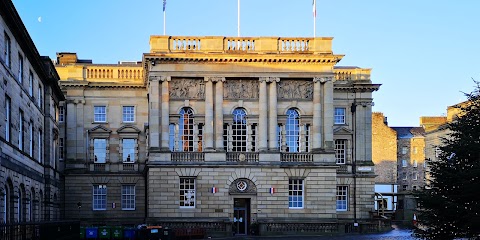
{"x":31,"y":143}
{"x":100,"y":114}
{"x":292,"y":131}
{"x":128,"y":198}
{"x":8,"y":118}
{"x":338,"y":151}
{"x":292,"y":182}
{"x":61,"y":114}
{"x":404,"y":163}
{"x":182,"y":188}
{"x":40,"y":96}
{"x":20,"y":68}
{"x":186,"y":130}
{"x":341,"y":116}
{"x":21,"y":134}
{"x":99,"y":150}
{"x":30,"y":83}
{"x":8,"y":50}
{"x":131,"y":152}
{"x":129,"y":114}
{"x":61,"y":145}
{"x":99,"y":197}
{"x":40,"y":150}
{"x":342,"y":198}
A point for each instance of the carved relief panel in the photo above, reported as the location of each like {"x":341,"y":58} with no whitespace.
{"x":295,"y":89}
{"x":240,"y":89}
{"x":187,"y":88}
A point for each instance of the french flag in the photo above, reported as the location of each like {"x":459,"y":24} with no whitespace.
{"x":214,"y":190}
{"x":272,"y":190}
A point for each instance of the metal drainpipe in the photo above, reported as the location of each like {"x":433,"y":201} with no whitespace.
{"x":354,"y":160}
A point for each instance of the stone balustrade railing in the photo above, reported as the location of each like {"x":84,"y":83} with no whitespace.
{"x":219,"y":44}
{"x":102,"y":73}
{"x":354,"y":73}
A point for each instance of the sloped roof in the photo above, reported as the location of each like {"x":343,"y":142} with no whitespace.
{"x":409,"y":132}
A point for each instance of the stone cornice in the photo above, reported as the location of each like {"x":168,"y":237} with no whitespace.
{"x":357,"y":88}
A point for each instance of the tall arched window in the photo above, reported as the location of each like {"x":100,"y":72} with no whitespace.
{"x":186,"y":132}
{"x":292,"y":128}
{"x":239,"y":130}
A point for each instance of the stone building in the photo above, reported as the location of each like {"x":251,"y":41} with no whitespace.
{"x":103,"y":121}
{"x":228,"y":132}
{"x":384,"y":155}
{"x":30,"y":178}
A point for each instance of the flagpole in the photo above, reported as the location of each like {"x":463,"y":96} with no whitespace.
{"x":238,"y":19}
{"x":164,"y":16}
{"x":314,"y":17}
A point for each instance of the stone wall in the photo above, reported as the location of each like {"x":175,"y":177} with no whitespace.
{"x":384,"y":149}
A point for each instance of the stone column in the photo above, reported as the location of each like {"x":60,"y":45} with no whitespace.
{"x":262,"y":115}
{"x":327,"y":112}
{"x":208,"y":130}
{"x":272,"y":128}
{"x":317,"y":116}
{"x":154,"y":112}
{"x":165,"y":113}
{"x":219,"y":114}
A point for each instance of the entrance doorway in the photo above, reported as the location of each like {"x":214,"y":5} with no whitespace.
{"x":241,"y":215}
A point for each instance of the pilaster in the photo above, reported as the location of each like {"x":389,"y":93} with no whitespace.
{"x":219,"y":113}
{"x":263,"y":115}
{"x":327,"y":112}
{"x":165,"y":113}
{"x":154,"y":112}
{"x":273,"y":122}
{"x":317,"y":116}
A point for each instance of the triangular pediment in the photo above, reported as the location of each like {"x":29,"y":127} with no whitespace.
{"x":128,"y":129}
{"x":99,"y":129}
{"x":342,"y":130}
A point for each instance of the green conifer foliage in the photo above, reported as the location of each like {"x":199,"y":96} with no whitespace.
{"x":449,"y":206}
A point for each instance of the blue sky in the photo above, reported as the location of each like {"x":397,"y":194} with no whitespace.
{"x":424,"y":53}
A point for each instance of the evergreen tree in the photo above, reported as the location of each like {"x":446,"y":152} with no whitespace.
{"x":449,"y":206}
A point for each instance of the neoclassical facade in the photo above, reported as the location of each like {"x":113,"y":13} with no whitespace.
{"x":220,"y":133}
{"x":30,"y":175}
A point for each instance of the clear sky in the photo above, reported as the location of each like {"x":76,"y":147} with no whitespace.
{"x":423,"y":52}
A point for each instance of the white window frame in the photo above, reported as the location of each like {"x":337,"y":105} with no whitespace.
{"x":126,"y":151}
{"x":340,"y":115}
{"x":61,"y":145}
{"x":128,"y":197}
{"x":99,"y":197}
{"x":292,"y":131}
{"x":341,"y":151}
{"x":342,"y":198}
{"x":100,"y":147}
{"x":61,"y":114}
{"x":30,"y":83}
{"x":100,"y":113}
{"x":404,"y":163}
{"x":8,"y":120}
{"x":187,"y":188}
{"x":20,"y":130}
{"x":20,"y":67}
{"x":128,"y":114}
{"x":8,"y":50}
{"x":296,"y":188}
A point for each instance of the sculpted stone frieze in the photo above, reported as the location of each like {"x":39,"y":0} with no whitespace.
{"x":187,"y":88}
{"x":240,"y":89}
{"x":295,"y":89}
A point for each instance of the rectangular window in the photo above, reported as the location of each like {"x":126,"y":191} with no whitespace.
{"x":295,"y":193}
{"x":339,"y":116}
{"x":8,"y":120}
{"x":415,"y":163}
{"x":61,"y":147}
{"x":415,"y":176}
{"x":99,"y":197}
{"x":30,"y":84}
{"x":171,"y":139}
{"x":128,"y":114}
{"x":40,"y":97}
{"x":20,"y":131}
{"x":61,"y":114}
{"x":100,"y":150}
{"x":404,"y":163}
{"x":342,"y":198}
{"x":40,"y":147}
{"x":128,"y":150}
{"x":340,"y":151}
{"x":187,"y":192}
{"x":225,"y":136}
{"x":20,"y":68}
{"x":200,"y":138}
{"x":279,"y":136}
{"x":404,"y":187}
{"x":31,"y":135}
{"x":8,"y":48}
{"x":128,"y":197}
{"x":404,"y":150}
{"x":307,"y":137}
{"x":100,"y":114}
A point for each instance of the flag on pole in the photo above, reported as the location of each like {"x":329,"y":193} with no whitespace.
{"x":313,"y":4}
{"x":164,"y":4}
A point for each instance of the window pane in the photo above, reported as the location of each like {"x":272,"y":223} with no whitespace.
{"x":292,"y":130}
{"x":342,"y":198}
{"x":128,"y":197}
{"x":99,"y":197}
{"x":239,"y":130}
{"x":186,"y":134}
{"x":340,"y":151}
{"x":128,"y":114}
{"x":187,"y":192}
{"x":100,"y":113}
{"x":128,"y":153}
{"x":295,"y":193}
{"x":339,"y":116}
{"x":100,"y":150}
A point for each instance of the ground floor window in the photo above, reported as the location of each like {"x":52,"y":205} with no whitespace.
{"x":128,"y":197}
{"x":295,"y":193}
{"x":99,"y":197}
{"x":187,"y":192}
{"x":342,"y":198}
